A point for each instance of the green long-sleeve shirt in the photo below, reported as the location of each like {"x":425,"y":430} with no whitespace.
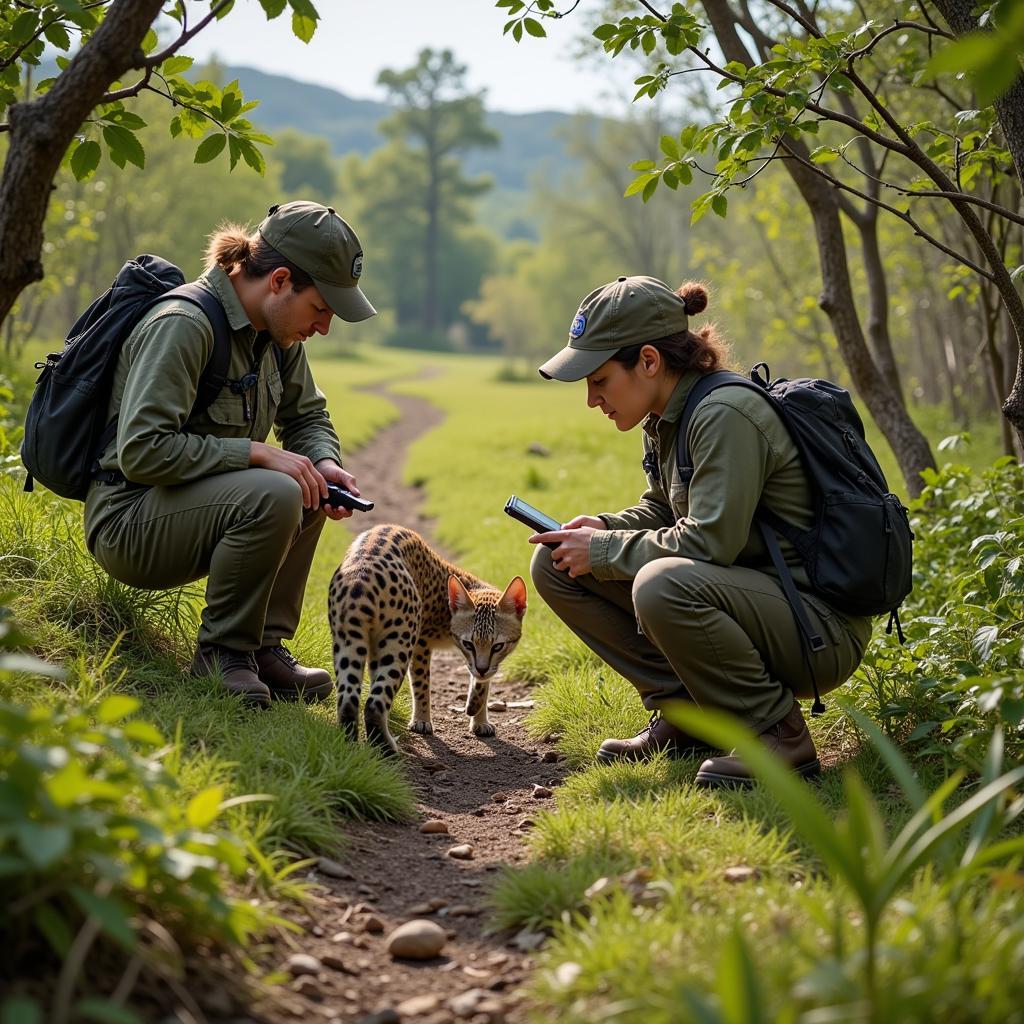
{"x":154,"y":389}
{"x":742,"y":456}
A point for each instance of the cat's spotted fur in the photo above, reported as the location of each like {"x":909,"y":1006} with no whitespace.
{"x":391,"y":602}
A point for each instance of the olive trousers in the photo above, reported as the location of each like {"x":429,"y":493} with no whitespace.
{"x":247,"y":531}
{"x":719,"y":636}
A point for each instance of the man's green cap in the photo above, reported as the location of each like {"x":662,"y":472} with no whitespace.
{"x":318,"y":241}
{"x":629,"y":311}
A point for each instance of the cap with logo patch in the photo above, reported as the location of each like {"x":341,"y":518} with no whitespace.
{"x":318,"y":241}
{"x":629,"y":311}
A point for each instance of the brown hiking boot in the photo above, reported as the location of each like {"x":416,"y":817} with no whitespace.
{"x":287,"y":679}
{"x":237,"y":669}
{"x":657,"y":735}
{"x":789,"y":740}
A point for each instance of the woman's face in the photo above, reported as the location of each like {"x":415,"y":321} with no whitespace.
{"x":624,"y":396}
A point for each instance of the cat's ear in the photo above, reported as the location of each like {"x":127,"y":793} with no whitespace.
{"x":458,"y":595}
{"x":514,"y":598}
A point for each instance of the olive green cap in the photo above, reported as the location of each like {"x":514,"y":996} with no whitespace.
{"x":318,"y":241}
{"x":629,"y":311}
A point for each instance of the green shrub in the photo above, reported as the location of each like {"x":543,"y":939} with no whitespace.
{"x":961,"y":671}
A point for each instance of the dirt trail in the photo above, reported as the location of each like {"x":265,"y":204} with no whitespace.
{"x":483,"y":789}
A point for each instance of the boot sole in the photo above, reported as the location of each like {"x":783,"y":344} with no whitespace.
{"x":712,"y":780}
{"x":607,"y":757}
{"x":311,"y":695}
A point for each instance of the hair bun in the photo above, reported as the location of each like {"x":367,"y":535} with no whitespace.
{"x":694,"y":296}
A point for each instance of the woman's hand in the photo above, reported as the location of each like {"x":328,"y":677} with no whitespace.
{"x":298,"y":467}
{"x":334,"y":474}
{"x":572,"y":553}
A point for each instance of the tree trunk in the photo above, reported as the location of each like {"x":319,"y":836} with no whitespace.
{"x":907,"y":442}
{"x":43,"y":129}
{"x":878,"y":301}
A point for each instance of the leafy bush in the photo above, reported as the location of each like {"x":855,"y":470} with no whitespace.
{"x":962,"y":669}
{"x":100,"y":861}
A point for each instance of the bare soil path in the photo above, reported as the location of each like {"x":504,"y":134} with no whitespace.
{"x":484,"y":792}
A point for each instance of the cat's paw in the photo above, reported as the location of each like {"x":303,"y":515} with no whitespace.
{"x":379,"y":737}
{"x":422,"y":726}
{"x":349,"y":728}
{"x":482,"y":729}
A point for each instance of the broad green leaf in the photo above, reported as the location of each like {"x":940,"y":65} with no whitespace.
{"x":58,"y":36}
{"x":143,"y":732}
{"x":534,"y":27}
{"x":205,"y":806}
{"x":210,"y":148}
{"x":114,"y":708}
{"x":273,"y":8}
{"x":720,"y":204}
{"x":20,"y":1010}
{"x":105,"y":1011}
{"x":124,"y":146}
{"x":824,"y":155}
{"x":670,"y":147}
{"x":252,"y":156}
{"x":23,"y":28}
{"x":111,"y":916}
{"x":54,"y":927}
{"x":42,"y":844}
{"x":85,"y":159}
{"x":176,"y":65}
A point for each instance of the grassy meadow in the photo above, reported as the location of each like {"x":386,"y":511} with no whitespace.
{"x":664,"y":903}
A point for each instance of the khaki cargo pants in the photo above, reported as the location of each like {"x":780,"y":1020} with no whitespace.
{"x":721,"y":636}
{"x":246,"y":531}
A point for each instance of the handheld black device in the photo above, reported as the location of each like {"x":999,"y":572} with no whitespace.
{"x":338,"y":497}
{"x":529,"y":516}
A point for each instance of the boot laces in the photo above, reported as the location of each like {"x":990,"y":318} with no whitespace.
{"x":230,"y":658}
{"x":283,"y":654}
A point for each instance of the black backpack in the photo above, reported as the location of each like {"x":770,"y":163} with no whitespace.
{"x":858,"y":551}
{"x":66,"y":428}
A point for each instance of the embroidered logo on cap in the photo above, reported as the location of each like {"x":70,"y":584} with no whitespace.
{"x":579,"y":325}
{"x":357,"y":265}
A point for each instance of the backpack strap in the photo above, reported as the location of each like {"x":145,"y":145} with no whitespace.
{"x":767,"y":521}
{"x":211,"y":380}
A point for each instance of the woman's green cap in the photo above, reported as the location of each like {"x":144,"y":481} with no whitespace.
{"x":629,"y":311}
{"x":318,"y":241}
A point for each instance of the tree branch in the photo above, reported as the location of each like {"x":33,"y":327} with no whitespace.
{"x":186,"y":35}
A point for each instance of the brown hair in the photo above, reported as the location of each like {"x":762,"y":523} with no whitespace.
{"x":704,"y":350}
{"x":231,"y":246}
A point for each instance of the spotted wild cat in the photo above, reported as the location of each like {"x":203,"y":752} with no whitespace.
{"x":391,"y":602}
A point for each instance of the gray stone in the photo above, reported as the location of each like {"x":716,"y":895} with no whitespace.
{"x":417,"y":940}
{"x":333,"y":869}
{"x":303,"y":963}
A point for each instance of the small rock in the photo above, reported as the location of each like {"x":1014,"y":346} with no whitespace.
{"x":602,"y":885}
{"x":387,"y":1016}
{"x":419,"y":909}
{"x":476,"y":972}
{"x":310,"y":988}
{"x":473,"y":883}
{"x":521,"y":703}
{"x":418,"y":1005}
{"x":465,"y":1004}
{"x":536,"y":448}
{"x":417,"y":940}
{"x":741,"y":873}
{"x":527,"y":940}
{"x":333,"y":869}
{"x":303,"y":963}
{"x":499,"y":798}
{"x":317,"y":931}
{"x":497,"y":705}
{"x":437,"y":902}
{"x":567,"y":973}
{"x":435,"y":766}
{"x":541,"y":792}
{"x":463,"y":910}
{"x":372,"y":924}
{"x":551,"y":756}
{"x":337,"y":963}
{"x":551,"y":737}
{"x":434,"y":825}
{"x":525,"y":823}
{"x":462,"y":852}
{"x":368,"y":892}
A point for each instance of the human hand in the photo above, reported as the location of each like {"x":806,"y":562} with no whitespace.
{"x":334,"y":474}
{"x":298,"y":467}
{"x":592,"y":521}
{"x":571,"y":553}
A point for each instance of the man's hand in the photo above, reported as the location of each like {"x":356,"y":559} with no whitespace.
{"x":298,"y":467}
{"x":572,"y":555}
{"x":334,"y":474}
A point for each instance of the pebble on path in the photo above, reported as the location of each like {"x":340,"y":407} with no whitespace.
{"x":462,"y":852}
{"x":417,"y":940}
{"x":434,"y":825}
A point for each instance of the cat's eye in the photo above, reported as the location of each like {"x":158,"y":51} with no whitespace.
{"x":468,"y":644}
{"x":497,"y":647}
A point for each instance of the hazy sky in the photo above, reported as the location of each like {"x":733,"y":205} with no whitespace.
{"x":356,"y":38}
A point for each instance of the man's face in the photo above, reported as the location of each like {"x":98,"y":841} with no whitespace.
{"x":293,"y":316}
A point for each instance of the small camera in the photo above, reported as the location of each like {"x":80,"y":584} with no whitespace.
{"x":338,"y":497}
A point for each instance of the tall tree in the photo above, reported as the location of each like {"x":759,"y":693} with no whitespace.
{"x":82,"y":109}
{"x":440,"y":118}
